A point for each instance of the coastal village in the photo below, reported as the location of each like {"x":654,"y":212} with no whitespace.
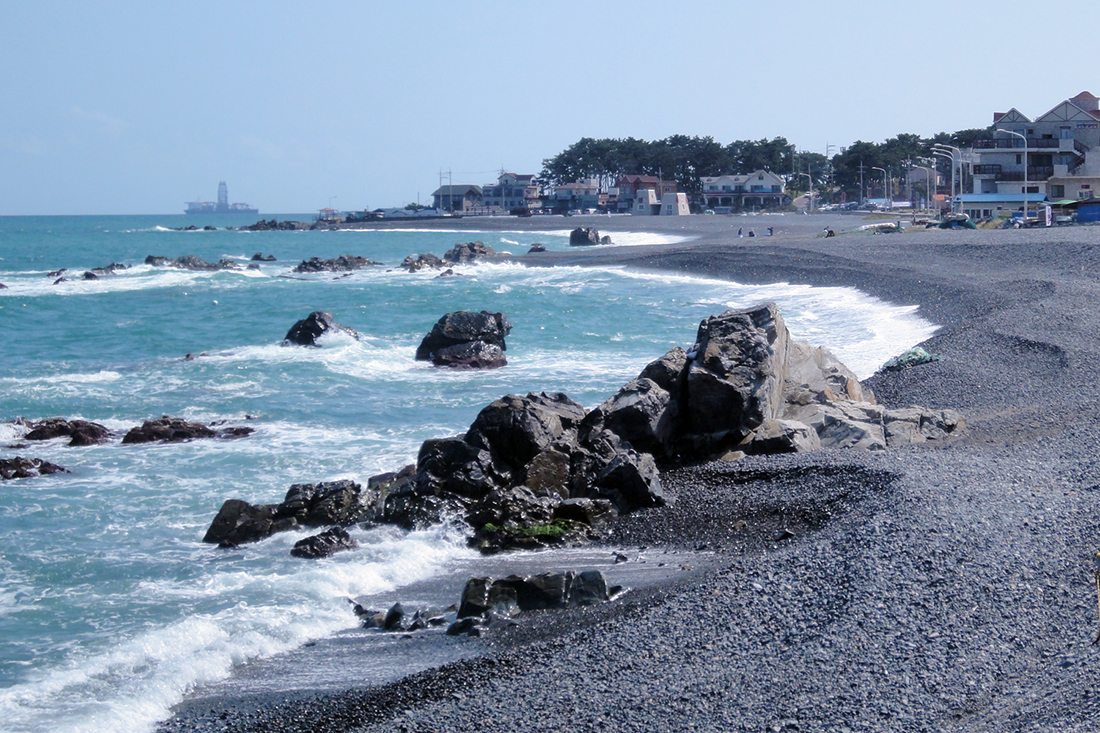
{"x":1020,"y":171}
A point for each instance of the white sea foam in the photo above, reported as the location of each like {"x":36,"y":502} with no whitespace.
{"x":134,"y":683}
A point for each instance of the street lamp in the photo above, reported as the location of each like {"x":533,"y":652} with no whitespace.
{"x":885,"y":196}
{"x":943,"y":147}
{"x":811,"y":180}
{"x":951,"y":157}
{"x":1021,"y":136}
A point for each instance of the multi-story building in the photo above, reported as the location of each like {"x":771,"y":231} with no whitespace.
{"x":1056,"y":155}
{"x":457,"y":197}
{"x":760,"y":188}
{"x":511,"y":192}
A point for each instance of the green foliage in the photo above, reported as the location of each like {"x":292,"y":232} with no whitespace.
{"x":560,"y":528}
{"x":687,"y":159}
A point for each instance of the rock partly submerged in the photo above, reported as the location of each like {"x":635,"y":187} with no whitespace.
{"x":466,"y":340}
{"x":20,"y":467}
{"x":309,"y":330}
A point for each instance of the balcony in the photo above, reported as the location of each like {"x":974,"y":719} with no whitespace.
{"x":1034,"y":173}
{"x":987,"y":169}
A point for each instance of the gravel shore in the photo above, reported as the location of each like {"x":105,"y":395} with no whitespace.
{"x":939,"y":589}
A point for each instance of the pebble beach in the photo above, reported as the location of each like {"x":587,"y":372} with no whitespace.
{"x":945,"y":588}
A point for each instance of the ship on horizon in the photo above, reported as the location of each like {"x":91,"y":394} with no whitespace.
{"x":221,"y":207}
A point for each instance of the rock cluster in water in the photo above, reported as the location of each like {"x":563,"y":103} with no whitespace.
{"x":539,"y":470}
{"x":586,"y":236}
{"x":460,"y":254}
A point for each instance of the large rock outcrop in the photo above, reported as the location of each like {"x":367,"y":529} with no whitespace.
{"x":746,"y":386}
{"x":524,"y":475}
{"x":466,"y":340}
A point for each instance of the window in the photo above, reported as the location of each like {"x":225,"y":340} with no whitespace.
{"x":1058,"y":192}
{"x":1033,"y":189}
{"x":1086,"y":185}
{"x":1017,"y":159}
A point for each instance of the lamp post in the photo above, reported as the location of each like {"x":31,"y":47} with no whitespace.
{"x":884,"y":194}
{"x":811,"y":181}
{"x":961,"y":179}
{"x":1021,"y":136}
{"x":951,"y":157}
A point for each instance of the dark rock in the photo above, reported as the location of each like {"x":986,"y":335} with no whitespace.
{"x":307,"y":331}
{"x":188,"y":262}
{"x":233,"y":433}
{"x":57,"y":273}
{"x":330,"y":541}
{"x":465,"y":328}
{"x":394,"y":618}
{"x":343,"y":263}
{"x":464,"y":627}
{"x":19,"y":467}
{"x":516,"y":429}
{"x":238,"y":523}
{"x":305,"y":505}
{"x":259,"y":257}
{"x":514,"y":594}
{"x":80,"y":432}
{"x":167,"y":430}
{"x":584,"y":236}
{"x":536,"y":248}
{"x":462,"y":254}
{"x":272,"y":225}
{"x":327,"y":502}
{"x":3,"y":286}
{"x":422,"y":262}
{"x":98,"y":272}
{"x":474,"y":355}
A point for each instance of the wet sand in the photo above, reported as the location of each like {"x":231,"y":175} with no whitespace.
{"x":945,"y":588}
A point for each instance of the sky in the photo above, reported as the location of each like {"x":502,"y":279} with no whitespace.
{"x":137,"y":107}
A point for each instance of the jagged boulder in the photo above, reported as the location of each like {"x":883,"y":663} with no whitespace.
{"x":310,"y":329}
{"x":746,"y":386}
{"x":329,"y":542}
{"x":466,"y":339}
{"x":462,"y":254}
{"x":305,"y":505}
{"x":585,"y":236}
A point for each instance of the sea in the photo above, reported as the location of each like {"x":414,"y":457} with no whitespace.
{"x":112,"y":610}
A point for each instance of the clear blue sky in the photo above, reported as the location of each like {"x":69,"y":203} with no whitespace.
{"x":136,"y":107}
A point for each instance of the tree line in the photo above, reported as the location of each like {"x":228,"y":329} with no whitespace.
{"x":686,"y":160}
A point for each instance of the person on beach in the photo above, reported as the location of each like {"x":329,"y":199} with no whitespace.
{"x":740,"y":232}
{"x":752,"y":233}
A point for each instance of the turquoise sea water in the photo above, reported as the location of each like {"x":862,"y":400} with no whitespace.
{"x":111,"y":608}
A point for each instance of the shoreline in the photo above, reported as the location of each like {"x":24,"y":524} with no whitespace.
{"x":943,"y":589}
